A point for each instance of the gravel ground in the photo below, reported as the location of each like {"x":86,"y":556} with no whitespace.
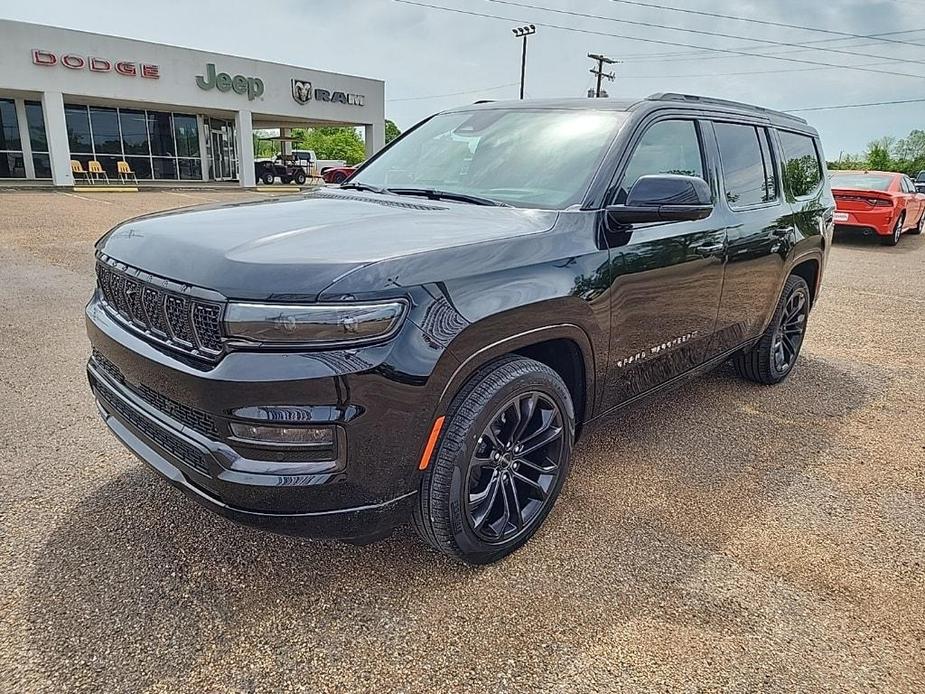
{"x":723,"y":536}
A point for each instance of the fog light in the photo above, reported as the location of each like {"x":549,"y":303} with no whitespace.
{"x":284,"y":436}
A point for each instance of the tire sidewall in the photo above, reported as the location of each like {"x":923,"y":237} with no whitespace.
{"x":796,"y":285}
{"x":478,"y":551}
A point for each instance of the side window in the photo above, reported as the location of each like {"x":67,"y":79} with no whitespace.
{"x":907,"y":185}
{"x":669,"y":147}
{"x":802,"y":167}
{"x":745,"y":165}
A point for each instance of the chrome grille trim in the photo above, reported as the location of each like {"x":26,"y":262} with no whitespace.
{"x":162,"y":311}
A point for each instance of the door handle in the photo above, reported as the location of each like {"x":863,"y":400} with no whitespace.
{"x":710,"y":249}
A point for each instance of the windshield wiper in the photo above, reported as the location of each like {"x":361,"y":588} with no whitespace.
{"x":357,"y":185}
{"x":433,"y":194}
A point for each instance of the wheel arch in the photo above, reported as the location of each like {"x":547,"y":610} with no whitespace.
{"x":564,"y":347}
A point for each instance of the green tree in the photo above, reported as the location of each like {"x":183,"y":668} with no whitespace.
{"x":878,"y":157}
{"x":332,"y":143}
{"x":391,"y":131}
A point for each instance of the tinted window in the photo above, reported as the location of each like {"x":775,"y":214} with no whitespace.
{"x":9,"y":127}
{"x":36,"y":122}
{"x":669,"y":146}
{"x":802,"y":168}
{"x":743,"y":164}
{"x":861,"y":181}
{"x":78,"y":129}
{"x":907,"y":185}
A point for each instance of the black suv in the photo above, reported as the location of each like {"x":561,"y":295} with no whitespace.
{"x":427,"y":341}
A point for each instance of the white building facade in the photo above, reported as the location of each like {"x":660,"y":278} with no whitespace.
{"x":172,"y":114}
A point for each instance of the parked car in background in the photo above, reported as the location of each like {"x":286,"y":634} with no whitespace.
{"x":920,"y":181}
{"x":313,"y":165}
{"x":286,"y":168}
{"x":877,"y":202}
{"x":339,"y":174}
{"x":426,"y":342}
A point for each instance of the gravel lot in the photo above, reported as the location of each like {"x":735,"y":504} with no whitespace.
{"x":723,"y":536}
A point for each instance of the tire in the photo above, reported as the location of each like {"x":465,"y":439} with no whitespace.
{"x":893,"y":238}
{"x":340,"y":177}
{"x":772,"y":359}
{"x":300,"y":178}
{"x":267,"y":178}
{"x":918,"y":227}
{"x":454,"y":514}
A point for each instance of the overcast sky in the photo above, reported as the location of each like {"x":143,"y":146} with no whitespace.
{"x":432,"y":59}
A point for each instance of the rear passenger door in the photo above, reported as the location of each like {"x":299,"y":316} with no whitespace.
{"x":667,"y":277}
{"x":758,"y":226}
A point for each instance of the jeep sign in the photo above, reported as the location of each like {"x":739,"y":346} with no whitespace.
{"x":252,"y":86}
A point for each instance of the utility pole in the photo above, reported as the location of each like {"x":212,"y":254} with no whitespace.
{"x":599,"y":70}
{"x":524,"y":32}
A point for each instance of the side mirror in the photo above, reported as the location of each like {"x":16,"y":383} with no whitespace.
{"x":663,"y":198}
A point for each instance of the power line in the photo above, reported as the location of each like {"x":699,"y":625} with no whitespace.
{"x":661,"y":42}
{"x":765,"y":22}
{"x":470,"y":91}
{"x":702,"y":32}
{"x":841,"y":106}
{"x":746,"y":72}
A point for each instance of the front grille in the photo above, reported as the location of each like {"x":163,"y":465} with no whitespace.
{"x":163,"y":438}
{"x":187,"y":324}
{"x":197,"y":420}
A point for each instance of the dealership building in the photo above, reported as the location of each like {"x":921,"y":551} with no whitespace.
{"x":169,"y":113}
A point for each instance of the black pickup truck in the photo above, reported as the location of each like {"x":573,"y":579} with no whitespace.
{"x":425,"y":343}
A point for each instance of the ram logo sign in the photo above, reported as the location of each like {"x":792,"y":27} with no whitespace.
{"x":303,"y":92}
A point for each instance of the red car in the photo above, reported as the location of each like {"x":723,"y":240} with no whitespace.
{"x":338,"y":174}
{"x":878,"y":202}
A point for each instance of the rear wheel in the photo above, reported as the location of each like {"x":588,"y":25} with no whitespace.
{"x":339,"y":177}
{"x":267,"y":178}
{"x":773,"y":358}
{"x":893,"y":238}
{"x":502,"y":458}
{"x":300,"y":178}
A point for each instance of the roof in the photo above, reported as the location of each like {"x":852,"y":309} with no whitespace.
{"x":653,"y":100}
{"x":865,"y":171}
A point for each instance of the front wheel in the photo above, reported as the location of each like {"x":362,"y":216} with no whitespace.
{"x":501,"y":460}
{"x":773,"y":358}
{"x":300,"y":178}
{"x":267,"y":178}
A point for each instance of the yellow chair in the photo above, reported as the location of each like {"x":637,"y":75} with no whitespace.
{"x":96,"y":170}
{"x":78,"y":170}
{"x":125,"y":171}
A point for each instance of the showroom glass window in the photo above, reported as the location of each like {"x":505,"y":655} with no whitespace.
{"x":11,"y":157}
{"x":35,"y":119}
{"x":155,"y":144}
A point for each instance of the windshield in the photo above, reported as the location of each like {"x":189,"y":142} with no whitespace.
{"x":862,"y":181}
{"x":537,"y":159}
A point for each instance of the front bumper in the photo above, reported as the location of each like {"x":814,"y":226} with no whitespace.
{"x":380,"y":399}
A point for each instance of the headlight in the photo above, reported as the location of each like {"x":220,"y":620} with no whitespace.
{"x":316,"y":324}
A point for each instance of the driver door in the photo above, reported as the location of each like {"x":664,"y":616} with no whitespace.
{"x":667,"y":276}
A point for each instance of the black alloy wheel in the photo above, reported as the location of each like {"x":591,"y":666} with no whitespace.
{"x":340,"y":177}
{"x":789,"y":335}
{"x":515,"y":465}
{"x":775,"y":354}
{"x":500,"y":462}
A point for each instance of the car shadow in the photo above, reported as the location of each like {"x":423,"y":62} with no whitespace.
{"x":139,"y":587}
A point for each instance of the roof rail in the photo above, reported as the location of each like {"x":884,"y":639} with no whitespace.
{"x":674,"y":96}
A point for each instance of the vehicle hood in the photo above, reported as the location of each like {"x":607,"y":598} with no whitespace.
{"x":295,"y":246}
